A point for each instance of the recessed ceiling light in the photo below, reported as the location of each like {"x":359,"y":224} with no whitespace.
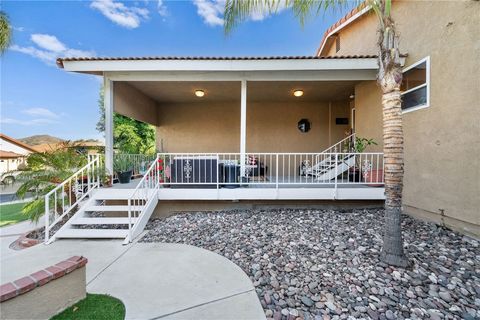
{"x":298,"y":93}
{"x":199,"y":93}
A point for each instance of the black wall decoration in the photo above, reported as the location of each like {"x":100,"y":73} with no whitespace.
{"x":304,"y":125}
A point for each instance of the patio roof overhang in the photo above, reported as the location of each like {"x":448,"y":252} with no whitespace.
{"x":309,"y":68}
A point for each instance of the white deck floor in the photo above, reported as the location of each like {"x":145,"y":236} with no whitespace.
{"x":290,"y":189}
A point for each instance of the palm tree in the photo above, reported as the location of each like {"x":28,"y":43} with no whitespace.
{"x":44,"y":172}
{"x":5,"y":32}
{"x":389,"y":79}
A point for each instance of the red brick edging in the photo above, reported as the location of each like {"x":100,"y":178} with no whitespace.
{"x":12,"y":289}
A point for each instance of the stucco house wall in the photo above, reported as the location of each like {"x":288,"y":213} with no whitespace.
{"x":133,"y":103}
{"x":442,"y":144}
{"x":271,"y":126}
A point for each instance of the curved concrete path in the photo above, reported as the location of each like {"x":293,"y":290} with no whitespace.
{"x":154,"y":280}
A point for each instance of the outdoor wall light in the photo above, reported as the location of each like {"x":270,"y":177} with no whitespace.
{"x":298,"y":93}
{"x":199,"y":93}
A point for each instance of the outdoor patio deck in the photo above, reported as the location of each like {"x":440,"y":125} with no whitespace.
{"x":258,"y":191}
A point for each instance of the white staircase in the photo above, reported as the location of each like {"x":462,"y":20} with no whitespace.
{"x":332,"y":166}
{"x":333,"y":161}
{"x":107,"y":213}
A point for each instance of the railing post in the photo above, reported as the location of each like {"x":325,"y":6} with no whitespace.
{"x":218,"y":167}
{"x":47,"y":219}
{"x":276,"y":171}
{"x":129,"y":219}
{"x":336,"y":174}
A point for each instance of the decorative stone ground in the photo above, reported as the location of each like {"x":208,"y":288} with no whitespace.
{"x":323,"y":264}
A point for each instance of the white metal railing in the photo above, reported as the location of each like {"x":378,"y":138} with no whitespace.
{"x":224,"y":170}
{"x":62,"y":199}
{"x":344,"y":145}
{"x":144,"y":193}
{"x":140,"y":162}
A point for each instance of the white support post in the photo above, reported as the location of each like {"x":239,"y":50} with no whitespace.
{"x":108,"y":103}
{"x":243,"y":127}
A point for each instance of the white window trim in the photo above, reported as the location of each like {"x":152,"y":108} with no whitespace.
{"x":427,"y":84}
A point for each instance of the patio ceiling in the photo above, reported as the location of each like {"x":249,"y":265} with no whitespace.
{"x":257,"y":91}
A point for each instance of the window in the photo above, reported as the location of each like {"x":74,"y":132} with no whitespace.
{"x":416,"y":86}
{"x":337,"y":43}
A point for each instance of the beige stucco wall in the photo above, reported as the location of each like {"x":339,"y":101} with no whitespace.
{"x":442,"y":142}
{"x":48,"y":300}
{"x":131,"y":102}
{"x":168,"y":208}
{"x":271,"y":126}
{"x":368,"y":112}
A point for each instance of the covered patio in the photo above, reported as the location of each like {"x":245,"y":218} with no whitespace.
{"x":245,"y":128}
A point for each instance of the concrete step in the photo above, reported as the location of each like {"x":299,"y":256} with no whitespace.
{"x":92,"y":233}
{"x":110,"y":208}
{"x":102,"y":220}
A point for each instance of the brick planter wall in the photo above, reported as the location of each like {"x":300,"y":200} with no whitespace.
{"x":46,"y":292}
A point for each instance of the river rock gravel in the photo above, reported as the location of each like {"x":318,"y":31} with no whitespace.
{"x":324,"y":264}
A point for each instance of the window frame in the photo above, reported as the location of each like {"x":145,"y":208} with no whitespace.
{"x":426,"y":84}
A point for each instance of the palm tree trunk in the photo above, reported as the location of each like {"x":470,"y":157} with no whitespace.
{"x":393,"y":153}
{"x":390,"y":79}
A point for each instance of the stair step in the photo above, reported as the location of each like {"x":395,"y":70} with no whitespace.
{"x":109,"y":208}
{"x":115,"y":194}
{"x":92,"y":233}
{"x":102,"y":220}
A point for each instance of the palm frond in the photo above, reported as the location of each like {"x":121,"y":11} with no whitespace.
{"x":5,"y":32}
{"x":237,"y":11}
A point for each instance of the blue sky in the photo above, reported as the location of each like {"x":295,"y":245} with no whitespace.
{"x":39,"y":98}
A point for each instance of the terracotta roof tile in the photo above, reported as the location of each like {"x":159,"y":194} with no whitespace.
{"x":61,"y":60}
{"x":17,"y":142}
{"x":9,"y":154}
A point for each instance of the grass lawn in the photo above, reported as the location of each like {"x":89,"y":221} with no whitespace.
{"x":11,"y":213}
{"x":94,"y":306}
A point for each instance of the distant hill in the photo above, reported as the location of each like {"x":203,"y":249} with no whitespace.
{"x":40,"y":139}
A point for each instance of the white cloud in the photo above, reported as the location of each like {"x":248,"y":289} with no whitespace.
{"x":162,"y":8}
{"x":48,"y":42}
{"x":41,"y":112}
{"x":212,"y":11}
{"x":128,"y":17}
{"x":49,"y":48}
{"x":43,"y":55}
{"x":31,"y":122}
{"x":19,"y":29}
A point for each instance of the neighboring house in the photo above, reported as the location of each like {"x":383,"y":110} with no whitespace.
{"x":13,"y":155}
{"x":249,"y":131}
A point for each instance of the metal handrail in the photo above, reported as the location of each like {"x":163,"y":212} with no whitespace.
{"x":333,"y":148}
{"x":148,"y":183}
{"x":73,"y":188}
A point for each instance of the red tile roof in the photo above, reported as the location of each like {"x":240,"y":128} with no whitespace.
{"x":61,"y":60}
{"x":9,"y":155}
{"x":17,"y":142}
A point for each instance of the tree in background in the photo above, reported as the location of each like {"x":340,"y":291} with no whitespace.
{"x":5,"y":32}
{"x":129,"y":135}
{"x":389,"y":79}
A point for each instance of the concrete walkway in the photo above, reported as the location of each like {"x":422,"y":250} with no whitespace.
{"x":9,"y":234}
{"x":154,"y":280}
